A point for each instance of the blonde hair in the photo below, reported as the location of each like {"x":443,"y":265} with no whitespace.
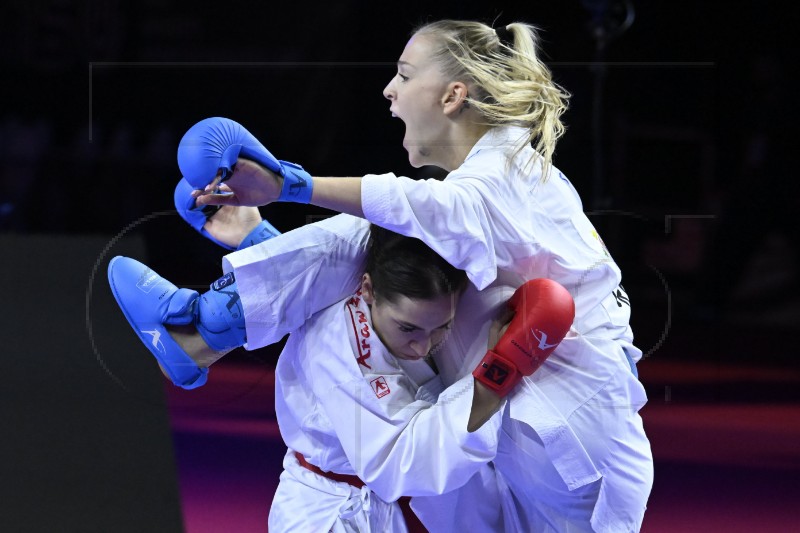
{"x":508,"y":83}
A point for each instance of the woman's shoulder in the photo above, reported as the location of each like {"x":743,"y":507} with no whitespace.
{"x":327,"y":326}
{"x":499,"y":172}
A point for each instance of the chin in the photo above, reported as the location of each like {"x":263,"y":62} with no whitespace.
{"x":418,"y":157}
{"x":413,"y":158}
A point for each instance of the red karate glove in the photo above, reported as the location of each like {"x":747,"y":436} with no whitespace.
{"x":543,"y":313}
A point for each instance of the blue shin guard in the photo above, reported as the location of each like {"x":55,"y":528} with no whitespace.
{"x":149,"y":303}
{"x":220,"y":319}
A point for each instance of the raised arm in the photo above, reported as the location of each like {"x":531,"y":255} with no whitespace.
{"x":229,"y":166}
{"x":253,"y":184}
{"x":232,"y":167}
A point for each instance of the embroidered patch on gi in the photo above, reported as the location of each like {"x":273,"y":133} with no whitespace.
{"x":380,"y":386}
{"x":600,"y":240}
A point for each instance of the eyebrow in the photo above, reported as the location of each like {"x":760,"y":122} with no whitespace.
{"x":410,"y":325}
{"x":405,"y":64}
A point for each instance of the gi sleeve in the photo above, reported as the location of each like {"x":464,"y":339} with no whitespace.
{"x":452,"y":217}
{"x":286,"y":279}
{"x":401,"y":446}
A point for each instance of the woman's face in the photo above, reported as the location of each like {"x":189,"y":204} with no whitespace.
{"x":417,"y":94}
{"x":411,"y":329}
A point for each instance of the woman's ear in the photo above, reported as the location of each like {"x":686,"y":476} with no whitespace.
{"x":455,"y":98}
{"x":367,"y":292}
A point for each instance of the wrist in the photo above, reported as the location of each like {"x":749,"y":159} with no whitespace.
{"x":487,"y":394}
{"x":257,"y":234}
{"x":296,"y":184}
{"x":485,"y":403}
{"x":497,"y":374}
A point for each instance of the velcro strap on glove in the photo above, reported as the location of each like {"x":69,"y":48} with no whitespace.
{"x":297,"y":184}
{"x":497,"y":373}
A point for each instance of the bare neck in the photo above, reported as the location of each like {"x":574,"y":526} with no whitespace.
{"x":464,"y":134}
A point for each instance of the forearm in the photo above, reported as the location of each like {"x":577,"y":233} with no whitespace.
{"x":338,"y":194}
{"x":485,"y":403}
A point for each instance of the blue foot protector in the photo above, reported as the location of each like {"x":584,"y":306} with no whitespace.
{"x":197,"y":217}
{"x":149,"y":302}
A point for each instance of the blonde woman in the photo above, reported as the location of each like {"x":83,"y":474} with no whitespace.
{"x":479,"y":103}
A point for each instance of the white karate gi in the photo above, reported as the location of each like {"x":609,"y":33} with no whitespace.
{"x":572,"y":448}
{"x":352,"y":408}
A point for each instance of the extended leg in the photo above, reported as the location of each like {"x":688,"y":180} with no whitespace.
{"x":184,"y":330}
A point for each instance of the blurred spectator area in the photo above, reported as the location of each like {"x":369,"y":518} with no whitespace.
{"x":102,"y":94}
{"x":662,"y":181}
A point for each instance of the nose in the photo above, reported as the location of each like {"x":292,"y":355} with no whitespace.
{"x":388,"y":91}
{"x":421,"y":346}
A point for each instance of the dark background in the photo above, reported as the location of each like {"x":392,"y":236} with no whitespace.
{"x":663,"y":117}
{"x":680,"y":133}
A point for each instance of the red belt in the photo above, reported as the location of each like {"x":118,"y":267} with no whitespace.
{"x":344,"y":478}
{"x":412,"y":522}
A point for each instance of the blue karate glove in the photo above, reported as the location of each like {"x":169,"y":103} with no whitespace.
{"x":214,"y":144}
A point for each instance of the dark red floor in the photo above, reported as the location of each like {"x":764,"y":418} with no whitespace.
{"x":725,"y":437}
